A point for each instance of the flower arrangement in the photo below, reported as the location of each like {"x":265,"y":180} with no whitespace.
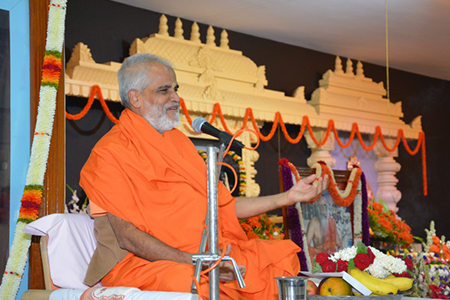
{"x":260,"y":227}
{"x":432,"y":272}
{"x":386,"y":226}
{"x":365,"y":258}
{"x":72,"y":206}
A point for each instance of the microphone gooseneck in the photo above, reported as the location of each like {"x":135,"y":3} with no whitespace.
{"x":201,"y":125}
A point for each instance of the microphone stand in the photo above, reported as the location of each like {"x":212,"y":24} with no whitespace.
{"x":212,"y":220}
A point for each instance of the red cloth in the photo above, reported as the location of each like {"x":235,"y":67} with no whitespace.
{"x":159,"y":184}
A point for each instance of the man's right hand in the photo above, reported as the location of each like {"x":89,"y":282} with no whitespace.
{"x":226,"y":270}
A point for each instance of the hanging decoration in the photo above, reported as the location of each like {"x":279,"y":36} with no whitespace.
{"x":279,"y":121}
{"x":32,"y":196}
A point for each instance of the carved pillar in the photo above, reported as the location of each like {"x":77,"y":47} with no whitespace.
{"x":386,"y":167}
{"x":322,"y":152}
{"x":249,"y":158}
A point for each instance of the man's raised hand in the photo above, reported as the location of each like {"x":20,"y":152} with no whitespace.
{"x":307,"y":189}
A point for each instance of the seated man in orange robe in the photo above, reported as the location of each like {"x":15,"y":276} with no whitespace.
{"x":322,"y":234}
{"x":147,"y":180}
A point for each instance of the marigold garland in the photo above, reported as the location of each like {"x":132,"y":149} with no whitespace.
{"x":242,"y":173}
{"x":95,"y":91}
{"x":353,"y":194}
{"x":279,"y":119}
{"x":348,"y":196}
{"x":32,"y":196}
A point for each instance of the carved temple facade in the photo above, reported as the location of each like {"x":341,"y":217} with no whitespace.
{"x":209,"y":73}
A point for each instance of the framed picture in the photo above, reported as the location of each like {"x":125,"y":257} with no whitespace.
{"x":328,"y":226}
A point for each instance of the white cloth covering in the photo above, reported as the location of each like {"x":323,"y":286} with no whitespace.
{"x":71,"y":244}
{"x":120,"y":293}
{"x":70,"y":247}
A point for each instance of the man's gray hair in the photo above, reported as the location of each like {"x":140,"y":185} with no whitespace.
{"x":133,"y":75}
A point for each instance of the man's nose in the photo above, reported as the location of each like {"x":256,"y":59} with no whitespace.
{"x":174,"y":96}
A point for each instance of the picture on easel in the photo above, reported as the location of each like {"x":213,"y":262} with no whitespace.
{"x":328,"y":226}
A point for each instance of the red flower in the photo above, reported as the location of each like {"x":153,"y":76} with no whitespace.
{"x":362,"y":261}
{"x":283,"y":162}
{"x":404,"y":274}
{"x":321,"y":257}
{"x":329,"y":266}
{"x":371,"y":256}
{"x":409,"y":263}
{"x":342,"y":265}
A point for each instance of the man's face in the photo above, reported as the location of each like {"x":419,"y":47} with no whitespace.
{"x":161,"y":101}
{"x":322,"y":206}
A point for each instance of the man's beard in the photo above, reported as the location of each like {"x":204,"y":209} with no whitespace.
{"x":158,"y":118}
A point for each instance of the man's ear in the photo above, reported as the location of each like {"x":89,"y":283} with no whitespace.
{"x":135,"y":101}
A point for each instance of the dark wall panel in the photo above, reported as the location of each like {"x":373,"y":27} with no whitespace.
{"x":5,"y":136}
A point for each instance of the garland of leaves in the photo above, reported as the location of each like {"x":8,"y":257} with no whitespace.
{"x":32,"y":196}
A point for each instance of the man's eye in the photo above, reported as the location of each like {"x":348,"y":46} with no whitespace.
{"x":164,"y":91}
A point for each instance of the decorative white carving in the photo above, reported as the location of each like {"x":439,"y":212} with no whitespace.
{"x":262,"y":81}
{"x":349,"y":68}
{"x":387,"y":167}
{"x":178,"y":32}
{"x":338,"y":66}
{"x":80,"y":53}
{"x":195,"y":33}
{"x":208,"y":74}
{"x":361,"y":102}
{"x":299,"y":93}
{"x":163,"y":28}
{"x":359,"y":69}
{"x":224,"y":40}
{"x":320,"y":152}
{"x":417,"y":123}
{"x":210,"y":38}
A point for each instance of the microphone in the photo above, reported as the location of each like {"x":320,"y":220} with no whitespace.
{"x":200,"y":125}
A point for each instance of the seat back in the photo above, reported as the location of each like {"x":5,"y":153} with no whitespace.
{"x":67,"y":245}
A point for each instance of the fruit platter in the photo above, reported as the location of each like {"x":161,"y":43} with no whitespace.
{"x":359,"y":271}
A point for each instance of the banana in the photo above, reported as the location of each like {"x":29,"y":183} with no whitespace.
{"x":402,"y":283}
{"x":378,"y":287}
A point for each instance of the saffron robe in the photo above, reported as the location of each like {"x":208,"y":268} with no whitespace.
{"x":159,"y":183}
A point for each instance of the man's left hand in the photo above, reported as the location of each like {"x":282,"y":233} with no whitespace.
{"x":307,"y":189}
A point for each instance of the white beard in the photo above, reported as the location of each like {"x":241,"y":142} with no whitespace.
{"x":158,"y":118}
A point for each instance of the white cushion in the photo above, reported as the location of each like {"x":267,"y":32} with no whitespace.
{"x":70,"y":246}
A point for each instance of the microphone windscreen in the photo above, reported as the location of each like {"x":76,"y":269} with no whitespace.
{"x":197,"y":124}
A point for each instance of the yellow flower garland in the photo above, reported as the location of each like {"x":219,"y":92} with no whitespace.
{"x":242,"y":174}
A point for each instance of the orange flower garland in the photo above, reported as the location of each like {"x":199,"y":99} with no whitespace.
{"x":351,"y":189}
{"x":278,"y":119}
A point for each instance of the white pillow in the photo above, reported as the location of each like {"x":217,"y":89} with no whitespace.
{"x":70,"y":246}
